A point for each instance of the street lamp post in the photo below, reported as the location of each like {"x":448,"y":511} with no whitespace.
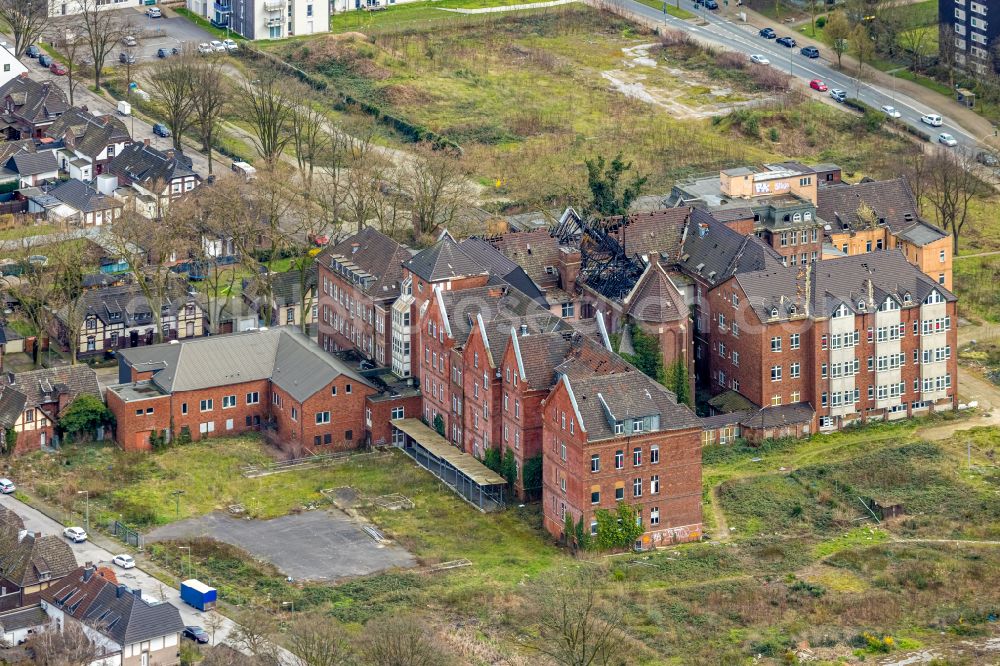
{"x":177,"y":502}
{"x":86,"y":517}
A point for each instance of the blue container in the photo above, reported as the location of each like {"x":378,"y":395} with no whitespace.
{"x":197,"y":594}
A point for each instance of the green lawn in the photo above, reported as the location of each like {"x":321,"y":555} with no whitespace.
{"x":27,"y":231}
{"x":415,"y":15}
{"x":673,"y":10}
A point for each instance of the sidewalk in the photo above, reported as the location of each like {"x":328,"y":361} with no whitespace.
{"x":972,"y":122}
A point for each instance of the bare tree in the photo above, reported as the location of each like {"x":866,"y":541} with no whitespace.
{"x":402,"y":641}
{"x":915,"y":41}
{"x":254,"y":635}
{"x":36,"y":293}
{"x":172,"y":89}
{"x":319,"y":641}
{"x":213,"y":622}
{"x":952,"y":186}
{"x":437,"y":187}
{"x":838,"y":33}
{"x":74,"y":48}
{"x":66,"y":267}
{"x":268,"y":108}
{"x":65,"y":646}
{"x":916,"y":169}
{"x":210,"y":91}
{"x":310,"y":130}
{"x":863,"y":49}
{"x":26,"y":19}
{"x":948,"y":53}
{"x":103,"y":30}
{"x":574,"y":627}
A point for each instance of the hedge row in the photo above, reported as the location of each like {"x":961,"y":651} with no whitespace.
{"x":864,"y":108}
{"x":410,"y":131}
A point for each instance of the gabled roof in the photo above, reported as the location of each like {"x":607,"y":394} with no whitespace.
{"x":374,"y":254}
{"x":10,"y":519}
{"x":148,"y":166}
{"x":9,"y":148}
{"x":501,"y":307}
{"x":713,"y":252}
{"x":891,"y":200}
{"x":26,"y":559}
{"x":83,"y":197}
{"x":540,"y":354}
{"x":44,"y":386}
{"x":282,"y":354}
{"x":499,"y":266}
{"x":30,"y":163}
{"x":656,"y":232}
{"x":90,"y":134}
{"x":126,"y":304}
{"x":442,"y":261}
{"x":870,"y":278}
{"x":535,"y":251}
{"x":33,"y":101}
{"x":285,"y":287}
{"x":781,"y":415}
{"x":655,"y":298}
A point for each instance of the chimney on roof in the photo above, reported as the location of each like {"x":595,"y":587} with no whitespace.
{"x":88,"y":571}
{"x":354,"y":247}
{"x":524,"y":330}
{"x":11,"y":378}
{"x":702,"y":229}
{"x":145,"y":142}
{"x":169,"y":153}
{"x":121,"y":591}
{"x":137,"y":593}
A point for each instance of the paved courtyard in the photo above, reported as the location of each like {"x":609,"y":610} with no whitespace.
{"x":313,"y":545}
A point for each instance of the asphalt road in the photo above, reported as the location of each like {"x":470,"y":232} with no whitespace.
{"x":743,"y":37}
{"x":88,"y":551}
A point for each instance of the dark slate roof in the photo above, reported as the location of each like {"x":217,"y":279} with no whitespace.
{"x":732,"y":212}
{"x":23,"y":618}
{"x":28,"y":163}
{"x":534,"y":251}
{"x":656,"y":232}
{"x":8,"y":334}
{"x":442,"y":261}
{"x":724,"y":419}
{"x":12,"y":403}
{"x":146,"y":165}
{"x":83,"y":197}
{"x":500,"y":266}
{"x":10,"y":148}
{"x":714,"y":252}
{"x":25,"y":559}
{"x":46,"y":385}
{"x":892,"y":200}
{"x":627,"y":394}
{"x":870,"y":277}
{"x":10,"y":519}
{"x":374,"y":254}
{"x":126,"y":304}
{"x":93,"y":280}
{"x":33,"y":101}
{"x":655,"y":298}
{"x":501,"y":307}
{"x":285,"y":287}
{"x":89,"y":134}
{"x":782,"y":415}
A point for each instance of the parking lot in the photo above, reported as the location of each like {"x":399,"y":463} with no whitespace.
{"x":313,"y":545}
{"x":169,"y":32}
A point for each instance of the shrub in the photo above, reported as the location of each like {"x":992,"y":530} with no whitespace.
{"x":774,"y":134}
{"x":731,"y":60}
{"x":673,"y":38}
{"x":821,"y":22}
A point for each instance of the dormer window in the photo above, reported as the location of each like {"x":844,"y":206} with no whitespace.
{"x":861,"y":305}
{"x":797,"y":217}
{"x":774,"y":312}
{"x":792,"y":309}
{"x":841,"y":311}
{"x":619,"y":427}
{"x":906,"y":298}
{"x":934,"y":297}
{"x":637,"y":425}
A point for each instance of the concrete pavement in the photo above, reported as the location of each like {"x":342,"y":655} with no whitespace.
{"x":99,"y":551}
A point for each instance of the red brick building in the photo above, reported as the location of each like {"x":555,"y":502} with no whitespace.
{"x":851,"y":339}
{"x":272,"y":380}
{"x":32,"y":402}
{"x":610,"y":437}
{"x":359,"y":279}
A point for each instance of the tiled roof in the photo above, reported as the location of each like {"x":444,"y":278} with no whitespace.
{"x":89,"y":134}
{"x":12,"y":403}
{"x":892,"y":201}
{"x":9,"y":148}
{"x":23,"y":618}
{"x":500,"y":266}
{"x":535,"y":251}
{"x":25,"y":558}
{"x":285,"y":287}
{"x":43,"y":386}
{"x":542,"y":353}
{"x":442,"y":261}
{"x":730,"y":401}
{"x":714,"y":252}
{"x":9,"y":518}
{"x":586,"y":358}
{"x":30,"y":163}
{"x":657,"y":232}
{"x":282,"y":354}
{"x":655,"y":298}
{"x":501,"y":307}
{"x":870,"y":277}
{"x":83,"y":197}
{"x":724,"y":419}
{"x":147,"y":166}
{"x":627,"y":395}
{"x":782,"y":415}
{"x":377,"y":255}
{"x":34,"y":101}
{"x":126,"y":303}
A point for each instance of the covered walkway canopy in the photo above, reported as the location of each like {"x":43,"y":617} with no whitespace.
{"x":474,"y":481}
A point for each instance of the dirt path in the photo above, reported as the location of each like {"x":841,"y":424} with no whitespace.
{"x":972,"y":386}
{"x":721,"y":525}
{"x":978,"y":254}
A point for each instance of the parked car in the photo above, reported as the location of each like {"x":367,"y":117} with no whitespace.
{"x":7,"y":486}
{"x":983,"y":157}
{"x":204,"y":48}
{"x":759,"y":59}
{"x":932,"y":119}
{"x":75,"y":534}
{"x":162,"y":53}
{"x":230,"y":45}
{"x":154,"y":12}
{"x":159,"y":129}
{"x":787,"y":42}
{"x":816,"y":84}
{"x":58,"y":69}
{"x":711,"y":4}
{"x":33,"y":51}
{"x":197,"y":634}
{"x":810,"y":51}
{"x":947,"y":139}
{"x":838,"y":95}
{"x":891,"y":111}
{"x":124,"y":561}
{"x":217,"y":45}
{"x":767,"y":33}
{"x":45,"y":60}
{"x":127,"y":58}
{"x":129,"y":40}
